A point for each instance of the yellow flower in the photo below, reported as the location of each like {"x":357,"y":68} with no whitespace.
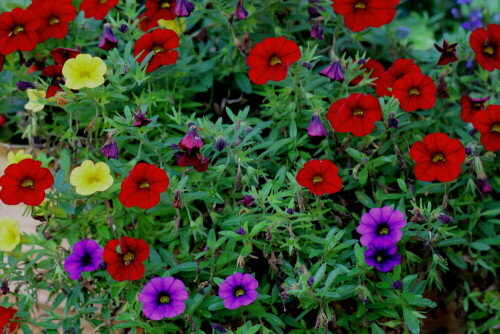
{"x":9,"y":234}
{"x":14,"y":158}
{"x":84,"y":71}
{"x":35,"y":103}
{"x":177,"y":25}
{"x":89,"y":178}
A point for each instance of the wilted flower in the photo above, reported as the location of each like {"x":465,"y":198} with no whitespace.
{"x":238,"y":290}
{"x":314,"y":9}
{"x":110,"y":149}
{"x":219,"y":328}
{"x":247,"y":200}
{"x":445,"y":219}
{"x":290,"y":211}
{"x":316,"y":127}
{"x":310,"y":280}
{"x":448,"y":53}
{"x":317,"y":30}
{"x":23,"y":85}
{"x":240,"y":12}
{"x":484,"y":186}
{"x":306,"y":65}
{"x":108,"y":39}
{"x":140,"y":119}
{"x":333,"y":71}
{"x":393,"y":122}
{"x":191,"y":140}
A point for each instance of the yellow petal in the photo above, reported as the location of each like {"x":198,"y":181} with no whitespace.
{"x":10,"y":235}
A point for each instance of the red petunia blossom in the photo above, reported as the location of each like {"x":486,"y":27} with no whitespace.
{"x":18,"y":30}
{"x":357,"y":114}
{"x":55,"y":16}
{"x":98,"y":9}
{"x":470,"y":106}
{"x":128,"y":263}
{"x":25,"y":182}
{"x":157,"y":10}
{"x":486,"y":45}
{"x":399,"y":69}
{"x":55,"y":73}
{"x":361,"y":14}
{"x":161,"y":42}
{"x":143,"y":186}
{"x":320,"y":177}
{"x":60,"y":55}
{"x":8,"y":323}
{"x":415,"y":91}
{"x":271,"y":58}
{"x":488,"y":123}
{"x":437,"y":157}
{"x":373,"y":70}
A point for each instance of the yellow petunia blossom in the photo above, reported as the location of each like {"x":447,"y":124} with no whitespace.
{"x":90,"y":178}
{"x":14,"y":158}
{"x":178,"y":25}
{"x":35,"y":103}
{"x":84,"y":71}
{"x":9,"y":234}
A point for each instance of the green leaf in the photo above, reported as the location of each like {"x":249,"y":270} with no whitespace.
{"x":411,"y":320}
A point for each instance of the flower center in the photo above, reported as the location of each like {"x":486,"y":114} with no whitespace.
{"x":495,"y":128}
{"x":477,"y":106}
{"x":359,"y":5}
{"x":414,"y":91}
{"x":28,"y":183}
{"x":275,"y":60}
{"x":103,"y":1}
{"x":317,"y":179}
{"x":450,"y":50}
{"x":379,"y":258}
{"x":17,"y":30}
{"x":144,"y":184}
{"x":164,"y":299}
{"x":129,"y":257}
{"x":84,"y":74}
{"x":438,"y":157}
{"x":358,"y":112}
{"x":239,"y":292}
{"x":489,"y":50}
{"x":158,"y":49}
{"x":165,"y":4}
{"x":94,"y":179}
{"x":53,"y":20}
{"x":383,"y":229}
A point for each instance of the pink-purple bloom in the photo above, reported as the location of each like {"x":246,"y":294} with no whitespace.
{"x":163,"y":297}
{"x":381,"y":224}
{"x":183,"y":8}
{"x":316,"y":127}
{"x":86,"y":256}
{"x":140,"y":119}
{"x":383,"y":255}
{"x":108,"y":39}
{"x":247,"y":200}
{"x":240,"y":12}
{"x":191,"y":140}
{"x":317,"y":30}
{"x":24,"y":85}
{"x":110,"y":149}
{"x":238,"y":290}
{"x":334,"y":72}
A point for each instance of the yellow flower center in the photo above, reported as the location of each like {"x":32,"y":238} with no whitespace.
{"x":17,"y":30}
{"x":477,"y":106}
{"x":53,"y":20}
{"x":438,"y":157}
{"x":317,"y":179}
{"x":94,"y":179}
{"x":360,"y":5}
{"x":489,"y":50}
{"x":379,"y":258}
{"x":164,"y":299}
{"x":128,"y":258}
{"x":144,"y":184}
{"x":414,"y":91}
{"x":383,"y":231}
{"x":84,"y":74}
{"x":275,"y":60}
{"x":103,"y":1}
{"x":495,"y":128}
{"x":157,"y":49}
{"x":165,"y":4}
{"x":28,"y":183}
{"x":239,"y":293}
{"x":358,"y":112}
{"x":450,"y":50}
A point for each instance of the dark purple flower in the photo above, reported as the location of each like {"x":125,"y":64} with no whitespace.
{"x":314,"y":9}
{"x":240,"y":12}
{"x":469,"y":151}
{"x":220,"y":143}
{"x":86,"y":256}
{"x":484,"y":186}
{"x":163,"y":297}
{"x":310,"y":280}
{"x":240,"y":231}
{"x":397,"y":285}
{"x":247,"y":200}
{"x":5,"y":286}
{"x":140,"y":119}
{"x":383,"y":255}
{"x":191,"y":140}
{"x":110,"y":149}
{"x":238,"y":290}
{"x":219,"y":328}
{"x":108,"y":39}
{"x":317,"y":30}
{"x":448,"y":53}
{"x":445,"y":219}
{"x":183,"y":7}
{"x":23,"y":85}
{"x":472,"y":132}
{"x":381,"y":224}
{"x":123,"y":28}
{"x":334,"y":72}
{"x":290,"y":211}
{"x":316,"y":127}
{"x":306,"y":65}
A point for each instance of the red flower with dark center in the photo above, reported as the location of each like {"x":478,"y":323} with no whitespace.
{"x":18,"y":30}
{"x":8,"y":323}
{"x":271,"y":58}
{"x":448,"y":53}
{"x":161,"y":42}
{"x":55,"y":73}
{"x":320,"y":177}
{"x":361,"y":14}
{"x":128,"y":263}
{"x":157,"y":10}
{"x":399,"y":69}
{"x":60,"y":55}
{"x":415,"y":91}
{"x":486,"y":45}
{"x":55,"y":15}
{"x":98,"y":9}
{"x":356,"y":114}
{"x":373,"y":70}
{"x":488,"y":123}
{"x":25,"y":182}
{"x":437,"y":157}
{"x":143,"y":186}
{"x":470,"y":106}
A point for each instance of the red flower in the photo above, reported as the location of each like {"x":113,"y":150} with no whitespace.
{"x":437,"y":157}
{"x":448,"y":53}
{"x":470,"y":107}
{"x":97,"y":9}
{"x":8,"y":323}
{"x":2,"y":61}
{"x":18,"y":30}
{"x":157,"y":10}
{"x":356,"y":114}
{"x":399,"y":69}
{"x":25,"y":182}
{"x":193,"y":158}
{"x":373,"y":70}
{"x":60,"y":55}
{"x":320,"y":177}
{"x":415,"y":91}
{"x":360,"y":14}
{"x":486,"y":45}
{"x":55,"y":73}
{"x":270,"y":59}
{"x":128,"y":264}
{"x":143,"y":186}
{"x":488,"y":123}
{"x":55,"y":15}
{"x":161,"y":42}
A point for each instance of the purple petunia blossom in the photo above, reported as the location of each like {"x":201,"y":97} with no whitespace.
{"x":240,"y":12}
{"x":317,"y":30}
{"x":191,"y":140}
{"x":183,"y":8}
{"x":163,"y":297}
{"x":240,"y":231}
{"x":381,"y":224}
{"x":23,"y":85}
{"x":140,"y":119}
{"x":247,"y":200}
{"x":316,"y":127}
{"x":110,"y":149}
{"x":238,"y":290}
{"x":86,"y":256}
{"x":382,"y":254}
{"x":334,"y":72}
{"x":220,"y":143}
{"x":108,"y":39}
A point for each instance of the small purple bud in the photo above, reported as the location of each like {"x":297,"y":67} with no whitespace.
{"x":455,"y":13}
{"x":240,"y":231}
{"x":469,"y":64}
{"x":364,"y":160}
{"x":110,"y":149}
{"x":469,"y":151}
{"x":316,"y":127}
{"x":240,"y":12}
{"x":183,"y":8}
{"x":445,"y":219}
{"x":397,"y":285}
{"x":206,"y":248}
{"x":23,"y":85}
{"x":306,"y":65}
{"x":333,"y":71}
{"x":103,"y":265}
{"x":108,"y":39}
{"x":140,"y":119}
{"x":219,"y":328}
{"x":317,"y":30}
{"x":393,"y":121}
{"x":484,"y":186}
{"x":310,"y":280}
{"x":403,"y":32}
{"x":191,"y":140}
{"x":5,"y":286}
{"x":290,"y":211}
{"x":220,"y":143}
{"x":472,"y":131}
{"x":247,"y":200}
{"x":314,"y":9}
{"x":248,"y":129}
{"x":123,"y":28}
{"x":361,"y":61}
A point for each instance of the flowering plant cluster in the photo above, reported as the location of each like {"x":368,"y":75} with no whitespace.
{"x":213,"y":166}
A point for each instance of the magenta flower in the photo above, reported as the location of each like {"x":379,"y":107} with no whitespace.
{"x":191,"y":140}
{"x":163,"y":297}
{"x":140,"y":119}
{"x":108,"y":39}
{"x":383,"y":255}
{"x":317,"y":30}
{"x":334,"y":72}
{"x":238,"y":290}
{"x":86,"y":256}
{"x":381,"y":224}
{"x":110,"y":149}
{"x":183,"y":8}
{"x":316,"y":127}
{"x":240,"y":12}
{"x":247,"y":200}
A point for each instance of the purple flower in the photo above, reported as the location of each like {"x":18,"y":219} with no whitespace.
{"x":140,"y":119}
{"x":191,"y":140}
{"x":219,"y":328}
{"x":466,"y":2}
{"x":382,"y":254}
{"x":220,"y":143}
{"x":86,"y":256}
{"x":110,"y":149}
{"x":240,"y":12}
{"x":238,"y":290}
{"x":484,"y":186}
{"x":306,"y":65}
{"x":183,"y":8}
{"x":317,"y":30}
{"x":469,"y":151}
{"x":455,"y":13}
{"x":123,"y":28}
{"x":475,"y":20}
{"x":247,"y":200}
{"x":290,"y":211}
{"x":397,"y":285}
{"x":393,"y":121}
{"x":240,"y":231}
{"x":333,"y":71}
{"x":108,"y":39}
{"x":381,"y":224}
{"x":314,"y":9}
{"x":310,"y":280}
{"x":403,"y":32}
{"x":316,"y":127}
{"x":23,"y":85}
{"x":445,"y":219}
{"x":163,"y":297}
